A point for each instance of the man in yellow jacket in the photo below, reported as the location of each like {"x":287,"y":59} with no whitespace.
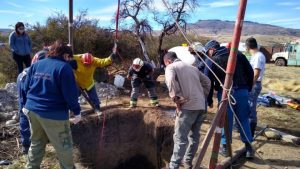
{"x":86,"y":66}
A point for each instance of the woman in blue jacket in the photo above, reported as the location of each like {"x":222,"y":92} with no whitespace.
{"x":49,"y":88}
{"x":20,"y":45}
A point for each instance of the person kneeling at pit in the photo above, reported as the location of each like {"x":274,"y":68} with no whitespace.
{"x":142,"y":72}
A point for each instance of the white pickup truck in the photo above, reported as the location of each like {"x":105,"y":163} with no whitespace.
{"x":290,"y":56}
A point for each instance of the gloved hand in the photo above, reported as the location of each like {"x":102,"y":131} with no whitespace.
{"x":25,"y":111}
{"x":76,"y":119}
{"x":134,"y":76}
{"x":115,"y":48}
{"x":114,"y":57}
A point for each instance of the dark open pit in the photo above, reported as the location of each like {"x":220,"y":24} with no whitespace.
{"x":133,"y":139}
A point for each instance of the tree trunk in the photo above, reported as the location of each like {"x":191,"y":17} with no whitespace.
{"x":159,"y":50}
{"x":143,"y":48}
{"x":160,"y":41}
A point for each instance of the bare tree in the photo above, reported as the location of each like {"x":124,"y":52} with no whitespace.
{"x":134,"y":9}
{"x":179,"y":9}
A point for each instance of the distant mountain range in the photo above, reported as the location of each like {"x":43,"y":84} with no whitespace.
{"x":5,"y":32}
{"x":218,"y":27}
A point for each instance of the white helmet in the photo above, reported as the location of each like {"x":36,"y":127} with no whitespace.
{"x":197,"y":46}
{"x":137,"y":64}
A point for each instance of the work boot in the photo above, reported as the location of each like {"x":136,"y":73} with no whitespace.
{"x":223,"y":150}
{"x":156,"y":105}
{"x":154,"y":102}
{"x":132,"y":106}
{"x":249,"y":151}
{"x":133,"y":103}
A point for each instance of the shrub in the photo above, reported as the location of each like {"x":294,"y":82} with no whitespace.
{"x":8,"y":67}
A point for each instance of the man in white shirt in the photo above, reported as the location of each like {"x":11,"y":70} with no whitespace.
{"x":257,"y":61}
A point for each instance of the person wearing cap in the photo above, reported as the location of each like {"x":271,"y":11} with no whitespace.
{"x":84,"y":74}
{"x":21,"y":46}
{"x":194,"y":49}
{"x":197,"y":48}
{"x":142,"y":72}
{"x":188,"y":88}
{"x":242,"y":84}
{"x":49,"y":89}
{"x":257,"y":61}
{"x":24,"y":123}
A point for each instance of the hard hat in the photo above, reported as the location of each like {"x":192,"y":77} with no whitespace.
{"x":87,"y":58}
{"x":197,"y":46}
{"x":184,"y":44}
{"x":137,"y":64}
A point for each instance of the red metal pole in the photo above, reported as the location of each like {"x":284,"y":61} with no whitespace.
{"x":117,"y":20}
{"x":231,"y":64}
{"x":220,"y":115}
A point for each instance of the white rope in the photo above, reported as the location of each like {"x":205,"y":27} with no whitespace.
{"x":189,"y":42}
{"x":233,"y":102}
{"x":230,"y":98}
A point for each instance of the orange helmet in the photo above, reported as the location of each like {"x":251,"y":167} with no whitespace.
{"x":87,"y":58}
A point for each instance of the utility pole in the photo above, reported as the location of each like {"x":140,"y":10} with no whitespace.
{"x":71,"y":24}
{"x":218,"y":121}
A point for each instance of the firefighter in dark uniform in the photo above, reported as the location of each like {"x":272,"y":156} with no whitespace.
{"x":141,"y":72}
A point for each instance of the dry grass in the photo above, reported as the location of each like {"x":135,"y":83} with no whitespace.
{"x":50,"y":160}
{"x":284,"y":81}
{"x":265,"y":40}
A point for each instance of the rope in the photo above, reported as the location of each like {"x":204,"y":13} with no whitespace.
{"x":102,"y":131}
{"x":241,"y":127}
{"x":230,"y":98}
{"x":116,"y":35}
{"x":117,"y":20}
{"x":104,"y":114}
{"x":189,"y":42}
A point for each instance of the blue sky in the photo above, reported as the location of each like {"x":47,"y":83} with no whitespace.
{"x":284,"y":13}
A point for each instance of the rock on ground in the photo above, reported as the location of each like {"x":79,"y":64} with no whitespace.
{"x":106,"y":90}
{"x":8,"y":101}
{"x":12,"y":89}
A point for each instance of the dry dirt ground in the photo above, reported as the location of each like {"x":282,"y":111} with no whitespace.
{"x":270,"y":153}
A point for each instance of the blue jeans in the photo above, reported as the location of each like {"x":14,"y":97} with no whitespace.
{"x":186,"y":136}
{"x":24,"y":130}
{"x":253,"y":95}
{"x":92,"y":94}
{"x":242,"y":112}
